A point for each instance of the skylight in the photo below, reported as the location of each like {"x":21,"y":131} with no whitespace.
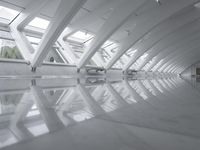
{"x":131,"y":52}
{"x":139,"y":61}
{"x":7,"y":14}
{"x":33,"y":39}
{"x":39,"y":23}
{"x":80,"y":36}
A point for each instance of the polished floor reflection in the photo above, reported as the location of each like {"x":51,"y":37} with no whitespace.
{"x":99,"y":114}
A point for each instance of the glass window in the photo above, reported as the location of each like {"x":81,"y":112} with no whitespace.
{"x":81,"y":37}
{"x":33,"y":40}
{"x":7,"y":14}
{"x":39,"y":23}
{"x":8,"y":49}
{"x":139,"y":62}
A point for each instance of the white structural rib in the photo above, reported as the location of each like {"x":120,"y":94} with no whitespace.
{"x":189,"y":34}
{"x":120,"y":14}
{"x":173,"y":42}
{"x":158,"y":15}
{"x":88,"y":19}
{"x":179,"y":48}
{"x":22,"y":20}
{"x":65,"y":49}
{"x":64,"y":14}
{"x":185,"y":62}
{"x":191,"y":49}
{"x":172,"y":28}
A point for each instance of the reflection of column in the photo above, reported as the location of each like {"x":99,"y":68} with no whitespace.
{"x":171,"y":81}
{"x":144,"y":89}
{"x":116,"y":95}
{"x":168,"y":84}
{"x":64,"y":104}
{"x":98,"y":92}
{"x":94,"y":106}
{"x":144,"y":104}
{"x":16,"y":125}
{"x":54,"y":97}
{"x":153,"y":87}
{"x":132,"y":91}
{"x":122,"y":131}
{"x":47,"y":112}
{"x":160,"y":85}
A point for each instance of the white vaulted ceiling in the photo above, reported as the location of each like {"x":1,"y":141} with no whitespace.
{"x":163,"y":35}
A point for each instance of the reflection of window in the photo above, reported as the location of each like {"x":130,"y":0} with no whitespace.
{"x":108,"y":49}
{"x":37,"y":128}
{"x":7,"y":14}
{"x":125,"y":94}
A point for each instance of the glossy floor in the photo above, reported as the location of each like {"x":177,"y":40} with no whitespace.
{"x":99,"y":114}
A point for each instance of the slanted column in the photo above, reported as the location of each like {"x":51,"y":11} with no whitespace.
{"x":66,"y":10}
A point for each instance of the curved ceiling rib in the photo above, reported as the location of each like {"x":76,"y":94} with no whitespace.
{"x":188,"y":34}
{"x":125,"y":35}
{"x":157,"y":16}
{"x":180,"y":31}
{"x":163,"y":31}
{"x":119,"y":15}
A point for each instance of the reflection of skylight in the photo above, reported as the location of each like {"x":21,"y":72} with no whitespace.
{"x":148,"y":87}
{"x":38,"y":129}
{"x":7,"y":14}
{"x":157,"y":86}
{"x":139,"y":90}
{"x":80,"y":36}
{"x":39,"y":23}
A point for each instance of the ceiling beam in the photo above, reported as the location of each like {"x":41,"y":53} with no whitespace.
{"x":157,"y":16}
{"x":64,"y":14}
{"x":121,"y":13}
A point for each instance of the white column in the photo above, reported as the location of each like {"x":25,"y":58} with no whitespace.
{"x":16,"y":27}
{"x":64,"y":14}
{"x":119,"y":16}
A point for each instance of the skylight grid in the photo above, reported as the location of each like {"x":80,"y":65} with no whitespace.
{"x":7,"y":14}
{"x":39,"y":23}
{"x":81,"y":37}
